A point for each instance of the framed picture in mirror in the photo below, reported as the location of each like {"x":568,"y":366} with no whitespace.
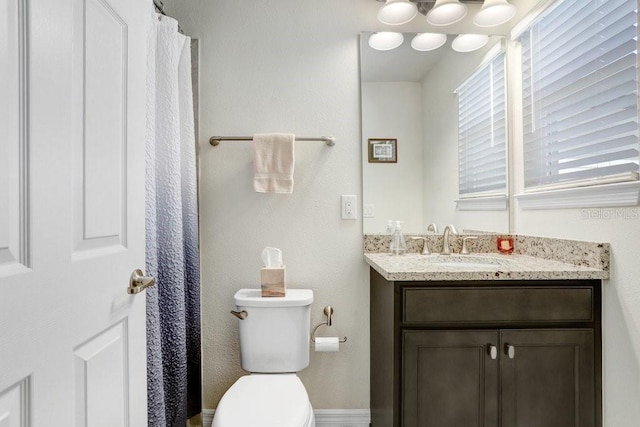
{"x":383,"y":150}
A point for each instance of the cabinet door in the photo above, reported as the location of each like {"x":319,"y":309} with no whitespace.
{"x":548,"y":379}
{"x":449,"y":379}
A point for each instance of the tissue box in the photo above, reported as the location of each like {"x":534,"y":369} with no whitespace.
{"x":273,"y":282}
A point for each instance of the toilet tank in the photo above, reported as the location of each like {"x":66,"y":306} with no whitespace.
{"x":274,"y":337}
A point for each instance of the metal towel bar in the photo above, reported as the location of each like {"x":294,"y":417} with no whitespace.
{"x":215,"y":140}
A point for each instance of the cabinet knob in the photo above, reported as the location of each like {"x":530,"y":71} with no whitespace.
{"x":510,"y":351}
{"x":492,"y":351}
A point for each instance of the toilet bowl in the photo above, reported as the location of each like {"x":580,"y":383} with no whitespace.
{"x":274,"y":345}
{"x":265,"y":400}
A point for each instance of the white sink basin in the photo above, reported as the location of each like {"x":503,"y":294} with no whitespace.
{"x":466,"y":264}
{"x":461,"y":261}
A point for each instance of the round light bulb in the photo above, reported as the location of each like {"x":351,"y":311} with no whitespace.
{"x":446,"y":12}
{"x":428,"y":41}
{"x":494,"y":12}
{"x":469,"y":42}
{"x":396,"y":12}
{"x":385,"y":40}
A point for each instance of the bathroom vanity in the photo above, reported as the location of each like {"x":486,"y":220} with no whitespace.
{"x":489,"y":340}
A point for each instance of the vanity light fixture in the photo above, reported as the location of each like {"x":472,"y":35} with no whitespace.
{"x":446,"y":12}
{"x":397,"y":12}
{"x":469,"y":42}
{"x":385,"y":40}
{"x":494,"y":12}
{"x":428,"y":41}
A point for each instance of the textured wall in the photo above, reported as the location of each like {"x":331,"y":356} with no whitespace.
{"x":286,"y":66}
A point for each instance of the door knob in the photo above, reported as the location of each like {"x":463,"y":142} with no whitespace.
{"x":139,"y":282}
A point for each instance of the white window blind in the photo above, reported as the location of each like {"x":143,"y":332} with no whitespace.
{"x":580,"y":94}
{"x":482,"y":133}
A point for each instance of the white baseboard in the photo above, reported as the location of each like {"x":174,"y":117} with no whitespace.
{"x":324,"y":417}
{"x":207,"y":417}
{"x":342,"y":417}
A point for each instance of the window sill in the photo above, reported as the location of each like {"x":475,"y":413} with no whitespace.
{"x":597,"y":196}
{"x":488,"y":203}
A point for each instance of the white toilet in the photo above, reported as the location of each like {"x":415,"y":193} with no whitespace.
{"x":274,"y":345}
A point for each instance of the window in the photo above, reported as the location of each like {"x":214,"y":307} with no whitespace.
{"x":482,"y":132}
{"x":580,"y":107}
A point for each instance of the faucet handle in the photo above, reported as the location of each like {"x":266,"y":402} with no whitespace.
{"x":425,"y":248}
{"x":465,"y":250}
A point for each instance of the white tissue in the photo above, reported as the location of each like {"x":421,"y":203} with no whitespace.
{"x":272,"y":257}
{"x":327,"y":344}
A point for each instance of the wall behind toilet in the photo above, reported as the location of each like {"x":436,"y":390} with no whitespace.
{"x":282,"y":66}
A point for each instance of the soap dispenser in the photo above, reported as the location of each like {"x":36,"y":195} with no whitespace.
{"x":390,"y":228}
{"x":398,"y":245}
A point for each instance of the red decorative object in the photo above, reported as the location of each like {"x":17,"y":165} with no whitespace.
{"x":505,"y":245}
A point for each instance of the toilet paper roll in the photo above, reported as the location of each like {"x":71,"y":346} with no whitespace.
{"x":327,"y":344}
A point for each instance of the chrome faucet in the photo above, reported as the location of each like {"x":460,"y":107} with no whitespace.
{"x":432,"y":227}
{"x":445,"y":239}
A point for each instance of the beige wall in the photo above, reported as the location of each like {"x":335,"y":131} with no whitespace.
{"x":282,"y":66}
{"x":292,"y":65}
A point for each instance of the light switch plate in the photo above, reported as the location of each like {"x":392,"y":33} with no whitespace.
{"x":369,"y":210}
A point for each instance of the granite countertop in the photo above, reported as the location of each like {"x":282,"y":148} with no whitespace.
{"x":416,"y":267}
{"x":534,"y":258}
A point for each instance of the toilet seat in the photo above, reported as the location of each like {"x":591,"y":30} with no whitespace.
{"x":265,"y":400}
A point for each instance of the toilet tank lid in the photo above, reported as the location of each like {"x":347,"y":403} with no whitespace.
{"x":292,"y":298}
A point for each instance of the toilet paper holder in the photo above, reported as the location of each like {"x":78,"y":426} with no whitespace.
{"x":328,"y":312}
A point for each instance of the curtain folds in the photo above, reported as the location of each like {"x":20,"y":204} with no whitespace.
{"x":173,"y":306}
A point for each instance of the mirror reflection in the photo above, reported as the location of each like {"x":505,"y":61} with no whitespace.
{"x":409,"y":97}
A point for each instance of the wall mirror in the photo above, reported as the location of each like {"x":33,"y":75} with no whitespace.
{"x":409,"y":96}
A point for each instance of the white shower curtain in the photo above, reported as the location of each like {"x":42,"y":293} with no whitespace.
{"x":173,"y":306}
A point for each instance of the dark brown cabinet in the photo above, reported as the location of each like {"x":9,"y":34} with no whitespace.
{"x":486,"y":354}
{"x":549,"y":380}
{"x":449,"y":379}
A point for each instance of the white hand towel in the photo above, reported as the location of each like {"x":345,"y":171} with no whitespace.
{"x":273,"y":162}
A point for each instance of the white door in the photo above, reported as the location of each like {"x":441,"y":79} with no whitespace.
{"x":72,"y":341}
